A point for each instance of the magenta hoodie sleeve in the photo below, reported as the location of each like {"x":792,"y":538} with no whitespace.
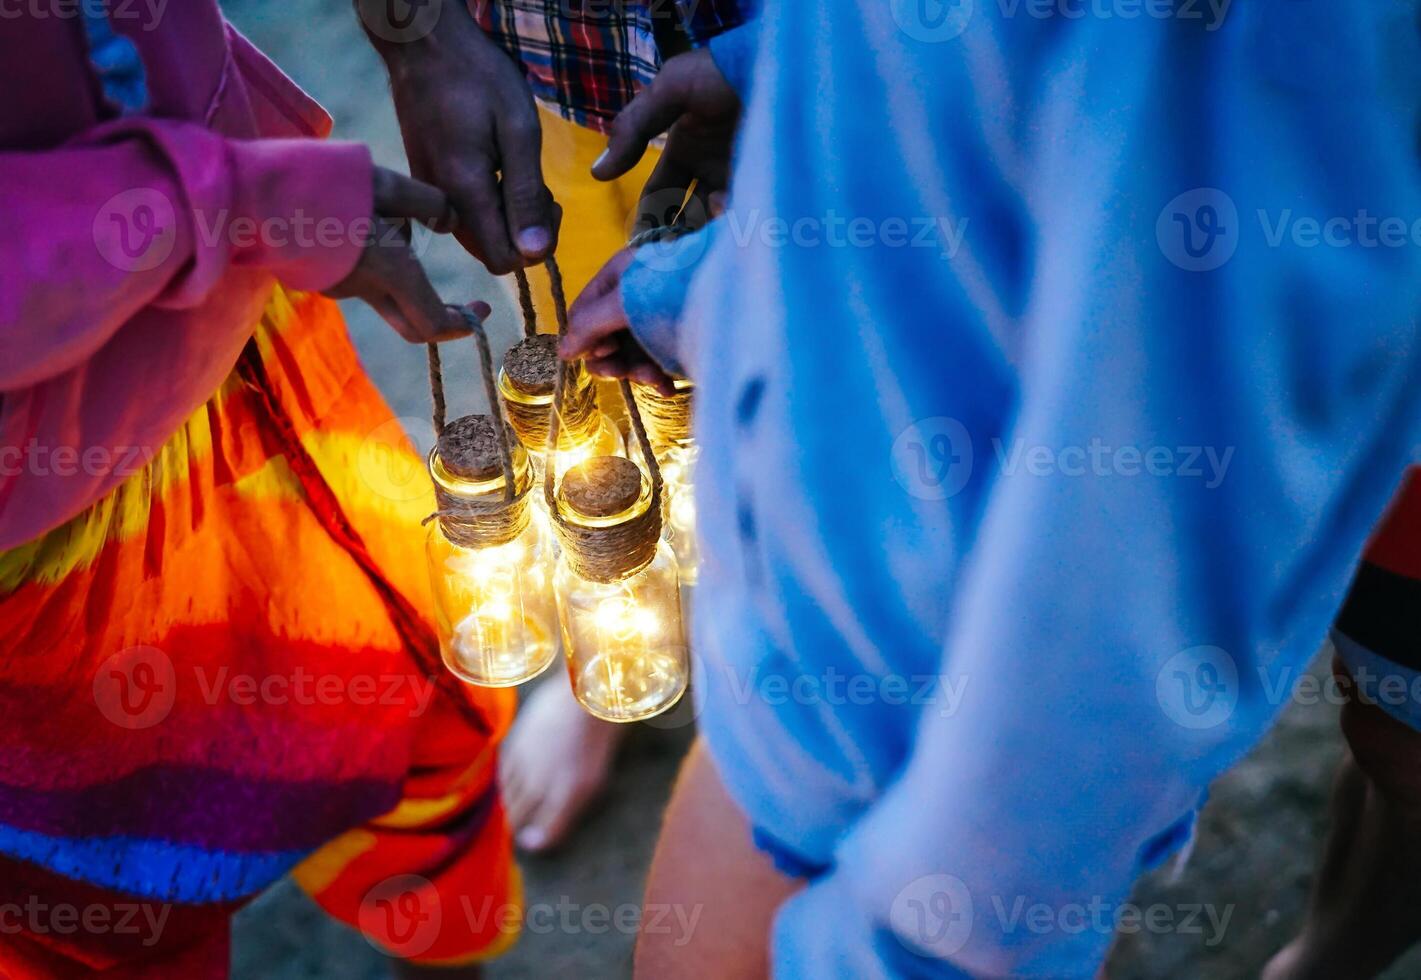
{"x":148,"y":212}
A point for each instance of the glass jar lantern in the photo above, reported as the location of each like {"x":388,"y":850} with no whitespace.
{"x":525,"y":387}
{"x":490,"y":564}
{"x":618,"y":594}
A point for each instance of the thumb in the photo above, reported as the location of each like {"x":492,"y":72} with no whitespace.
{"x":527,"y":204}
{"x":398,"y":196}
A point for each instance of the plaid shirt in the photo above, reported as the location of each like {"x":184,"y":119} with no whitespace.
{"x":587,"y":58}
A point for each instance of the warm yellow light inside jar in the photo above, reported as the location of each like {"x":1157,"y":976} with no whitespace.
{"x":678,"y":466}
{"x":494,"y":608}
{"x":626,"y":651}
{"x":595,"y":436}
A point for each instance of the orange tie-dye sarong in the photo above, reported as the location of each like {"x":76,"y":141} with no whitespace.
{"x":224,"y":673}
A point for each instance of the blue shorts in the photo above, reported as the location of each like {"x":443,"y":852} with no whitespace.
{"x":786,"y":860}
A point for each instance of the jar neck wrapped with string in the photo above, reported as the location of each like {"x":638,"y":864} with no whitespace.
{"x":476,"y":509}
{"x":482,"y":480}
{"x":605,"y":519}
{"x":606,"y":514}
{"x":668,"y":417}
{"x":525,"y":386}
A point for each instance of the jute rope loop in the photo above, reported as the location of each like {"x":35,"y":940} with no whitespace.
{"x":525,"y":301}
{"x":476,"y":520}
{"x":436,"y":388}
{"x":611,"y":552}
{"x":668,"y":417}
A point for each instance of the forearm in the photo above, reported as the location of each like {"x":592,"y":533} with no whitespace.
{"x":431,"y":33}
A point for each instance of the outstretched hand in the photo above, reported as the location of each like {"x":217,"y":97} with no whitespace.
{"x":597,"y":331}
{"x":698,"y":110}
{"x":389,"y":277}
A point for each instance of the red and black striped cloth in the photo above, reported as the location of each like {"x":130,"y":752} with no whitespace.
{"x":1382,"y":612}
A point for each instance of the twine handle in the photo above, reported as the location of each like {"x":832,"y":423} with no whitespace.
{"x":495,"y":404}
{"x":643,"y":440}
{"x":551,"y":449}
{"x":436,"y":395}
{"x":436,"y":389}
{"x":525,"y":302}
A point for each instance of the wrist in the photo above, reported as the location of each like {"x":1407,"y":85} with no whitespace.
{"x":431,"y":31}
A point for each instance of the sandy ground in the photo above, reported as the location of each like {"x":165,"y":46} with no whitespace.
{"x":1258,"y":835}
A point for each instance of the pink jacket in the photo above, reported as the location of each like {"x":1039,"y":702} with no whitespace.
{"x":136,"y":254}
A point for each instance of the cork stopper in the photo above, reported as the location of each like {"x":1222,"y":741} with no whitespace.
{"x":469,"y":448}
{"x":603,"y":486}
{"x":531,"y":365}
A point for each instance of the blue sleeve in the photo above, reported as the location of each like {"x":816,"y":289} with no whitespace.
{"x":654,"y":290}
{"x":734,"y":54}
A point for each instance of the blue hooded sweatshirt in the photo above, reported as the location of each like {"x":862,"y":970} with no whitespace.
{"x":1054,"y":358}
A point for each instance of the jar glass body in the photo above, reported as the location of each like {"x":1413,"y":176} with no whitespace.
{"x":678,"y":474}
{"x":625,"y":646}
{"x":496,"y":614}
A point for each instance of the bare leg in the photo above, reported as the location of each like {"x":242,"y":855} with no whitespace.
{"x":554,"y":762}
{"x":707,"y":871}
{"x":1365,"y":909}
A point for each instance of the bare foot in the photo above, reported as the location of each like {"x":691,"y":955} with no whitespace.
{"x":554,"y":762}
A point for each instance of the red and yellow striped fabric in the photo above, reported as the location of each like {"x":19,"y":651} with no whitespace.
{"x":225,"y":672}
